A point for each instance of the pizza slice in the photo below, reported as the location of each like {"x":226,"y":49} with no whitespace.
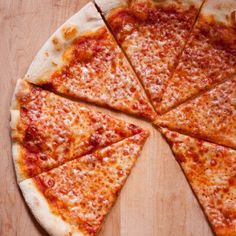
{"x":209,"y":56}
{"x":74,"y":198}
{"x":211,"y":172}
{"x":48,"y":130}
{"x":82,"y":60}
{"x":153,"y":35}
{"x":210,"y":116}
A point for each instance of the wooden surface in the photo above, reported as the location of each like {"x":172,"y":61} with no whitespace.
{"x":156,"y":199}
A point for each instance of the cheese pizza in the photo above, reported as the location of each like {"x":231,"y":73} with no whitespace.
{"x":153,"y":35}
{"x":211,"y":116}
{"x":209,"y":56}
{"x":71,"y":161}
{"x":82,"y":60}
{"x":49,"y":130}
{"x":211,"y":172}
{"x":74,"y":198}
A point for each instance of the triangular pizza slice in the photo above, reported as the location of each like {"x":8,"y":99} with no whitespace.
{"x":82,"y":60}
{"x":210,"y":116}
{"x":48,"y":130}
{"x":153,"y":35}
{"x":209,"y":56}
{"x":74,"y":198}
{"x":211,"y":172}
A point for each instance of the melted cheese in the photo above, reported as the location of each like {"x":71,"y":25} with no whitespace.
{"x":211,"y":171}
{"x":96,"y":70}
{"x":209,"y":57}
{"x":82,"y":191}
{"x":53,"y":130}
{"x":153,"y":37}
{"x":211,"y":116}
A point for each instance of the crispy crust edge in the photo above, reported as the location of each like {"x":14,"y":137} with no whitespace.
{"x":107,"y":6}
{"x":38,"y":205}
{"x":22,"y":87}
{"x":50,"y":57}
{"x":16,"y":155}
{"x":40,"y":208}
{"x":222,"y":11}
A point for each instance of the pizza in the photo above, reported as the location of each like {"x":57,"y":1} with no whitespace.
{"x":211,"y":172}
{"x":153,"y":35}
{"x":210,"y":116}
{"x":173,"y":58}
{"x":49,"y":130}
{"x":74,"y":198}
{"x":209,"y":56}
{"x":82,"y":60}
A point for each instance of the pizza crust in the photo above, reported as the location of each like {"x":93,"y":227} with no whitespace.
{"x":185,"y":3}
{"x":50,"y":56}
{"x":49,"y":59}
{"x":16,"y":147}
{"x":21,"y":87}
{"x":16,"y":154}
{"x":54,"y":225}
{"x":15,"y":117}
{"x":108,"y":5}
{"x":15,"y":106}
{"x":222,"y":11}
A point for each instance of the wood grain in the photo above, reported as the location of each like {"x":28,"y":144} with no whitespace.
{"x":156,"y":199}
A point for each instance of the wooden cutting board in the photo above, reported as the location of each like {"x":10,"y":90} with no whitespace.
{"x":156,"y":199}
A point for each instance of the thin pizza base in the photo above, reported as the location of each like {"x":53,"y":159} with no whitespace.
{"x":101,"y":175}
{"x":53,"y":224}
